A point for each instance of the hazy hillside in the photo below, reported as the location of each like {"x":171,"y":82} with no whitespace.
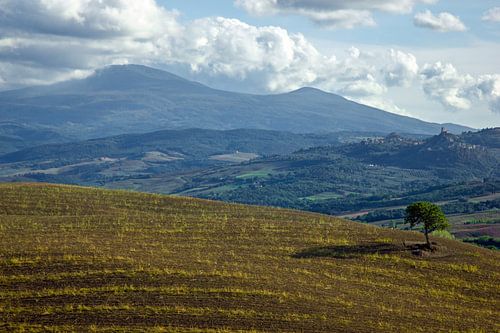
{"x":190,"y":143}
{"x":134,"y":99}
{"x":473,"y":152}
{"x":171,"y":152}
{"x":85,"y":259}
{"x":14,"y":137}
{"x":272,"y":168}
{"x":489,"y":137}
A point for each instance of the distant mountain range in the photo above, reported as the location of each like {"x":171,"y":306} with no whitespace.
{"x":137,"y":99}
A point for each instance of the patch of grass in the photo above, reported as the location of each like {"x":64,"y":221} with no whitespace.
{"x":443,"y":234}
{"x":324,"y":196}
{"x":263,"y":173}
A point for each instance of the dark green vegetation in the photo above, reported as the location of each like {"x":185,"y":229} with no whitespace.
{"x":427,"y":215}
{"x":86,"y":259}
{"x":485,"y":241}
{"x":352,"y":177}
{"x":137,"y":99}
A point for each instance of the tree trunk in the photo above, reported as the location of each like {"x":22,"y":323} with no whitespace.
{"x":427,"y":239}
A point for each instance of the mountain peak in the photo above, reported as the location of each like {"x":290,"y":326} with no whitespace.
{"x":130,"y":77}
{"x":308,"y":90}
{"x":138,"y":71}
{"x":314,"y":93}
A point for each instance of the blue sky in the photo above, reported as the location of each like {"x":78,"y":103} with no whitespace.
{"x":391,"y":30}
{"x":438,"y":60}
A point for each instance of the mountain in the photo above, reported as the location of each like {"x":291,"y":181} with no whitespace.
{"x":83,"y":259}
{"x":137,"y":99}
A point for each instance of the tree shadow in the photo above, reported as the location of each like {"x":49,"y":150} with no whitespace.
{"x":349,"y":251}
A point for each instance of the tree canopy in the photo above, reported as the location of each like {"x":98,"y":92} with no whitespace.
{"x":427,"y":214}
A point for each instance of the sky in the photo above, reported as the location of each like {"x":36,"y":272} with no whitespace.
{"x":437,"y":60}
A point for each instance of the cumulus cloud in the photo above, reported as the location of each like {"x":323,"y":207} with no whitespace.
{"x":492,"y":15}
{"x":345,"y":19}
{"x":366,"y":87}
{"x":331,"y":13}
{"x":229,"y":47}
{"x":445,"y":84}
{"x":88,"y":18}
{"x":401,"y":69}
{"x":443,"y":22}
{"x":488,"y":87}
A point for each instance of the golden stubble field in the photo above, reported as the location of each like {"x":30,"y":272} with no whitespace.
{"x":82,"y":259}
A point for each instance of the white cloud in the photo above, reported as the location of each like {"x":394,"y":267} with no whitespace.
{"x":444,"y":83}
{"x":331,"y":13}
{"x":229,"y":47}
{"x":367,"y":87}
{"x":443,"y":22}
{"x":343,"y":19}
{"x":382,"y":104}
{"x":88,"y":18}
{"x":401,"y":69}
{"x":492,"y":15}
{"x":488,"y":88}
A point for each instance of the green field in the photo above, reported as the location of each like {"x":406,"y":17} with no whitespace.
{"x":324,"y":196}
{"x":83,"y":259}
{"x":262,"y":173}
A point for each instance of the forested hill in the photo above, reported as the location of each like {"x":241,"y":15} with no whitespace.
{"x":470,"y":152}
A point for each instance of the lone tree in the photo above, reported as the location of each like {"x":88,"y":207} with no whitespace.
{"x":429,"y":215}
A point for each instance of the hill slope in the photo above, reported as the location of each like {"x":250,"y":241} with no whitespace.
{"x":133,"y":99}
{"x":14,"y":137}
{"x":74,"y":258}
{"x":163,"y":152}
{"x":192,"y":143}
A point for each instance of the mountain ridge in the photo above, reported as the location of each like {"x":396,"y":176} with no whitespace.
{"x":139,"y":99}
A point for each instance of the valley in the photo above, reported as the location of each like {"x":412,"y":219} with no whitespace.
{"x":369,"y":177}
